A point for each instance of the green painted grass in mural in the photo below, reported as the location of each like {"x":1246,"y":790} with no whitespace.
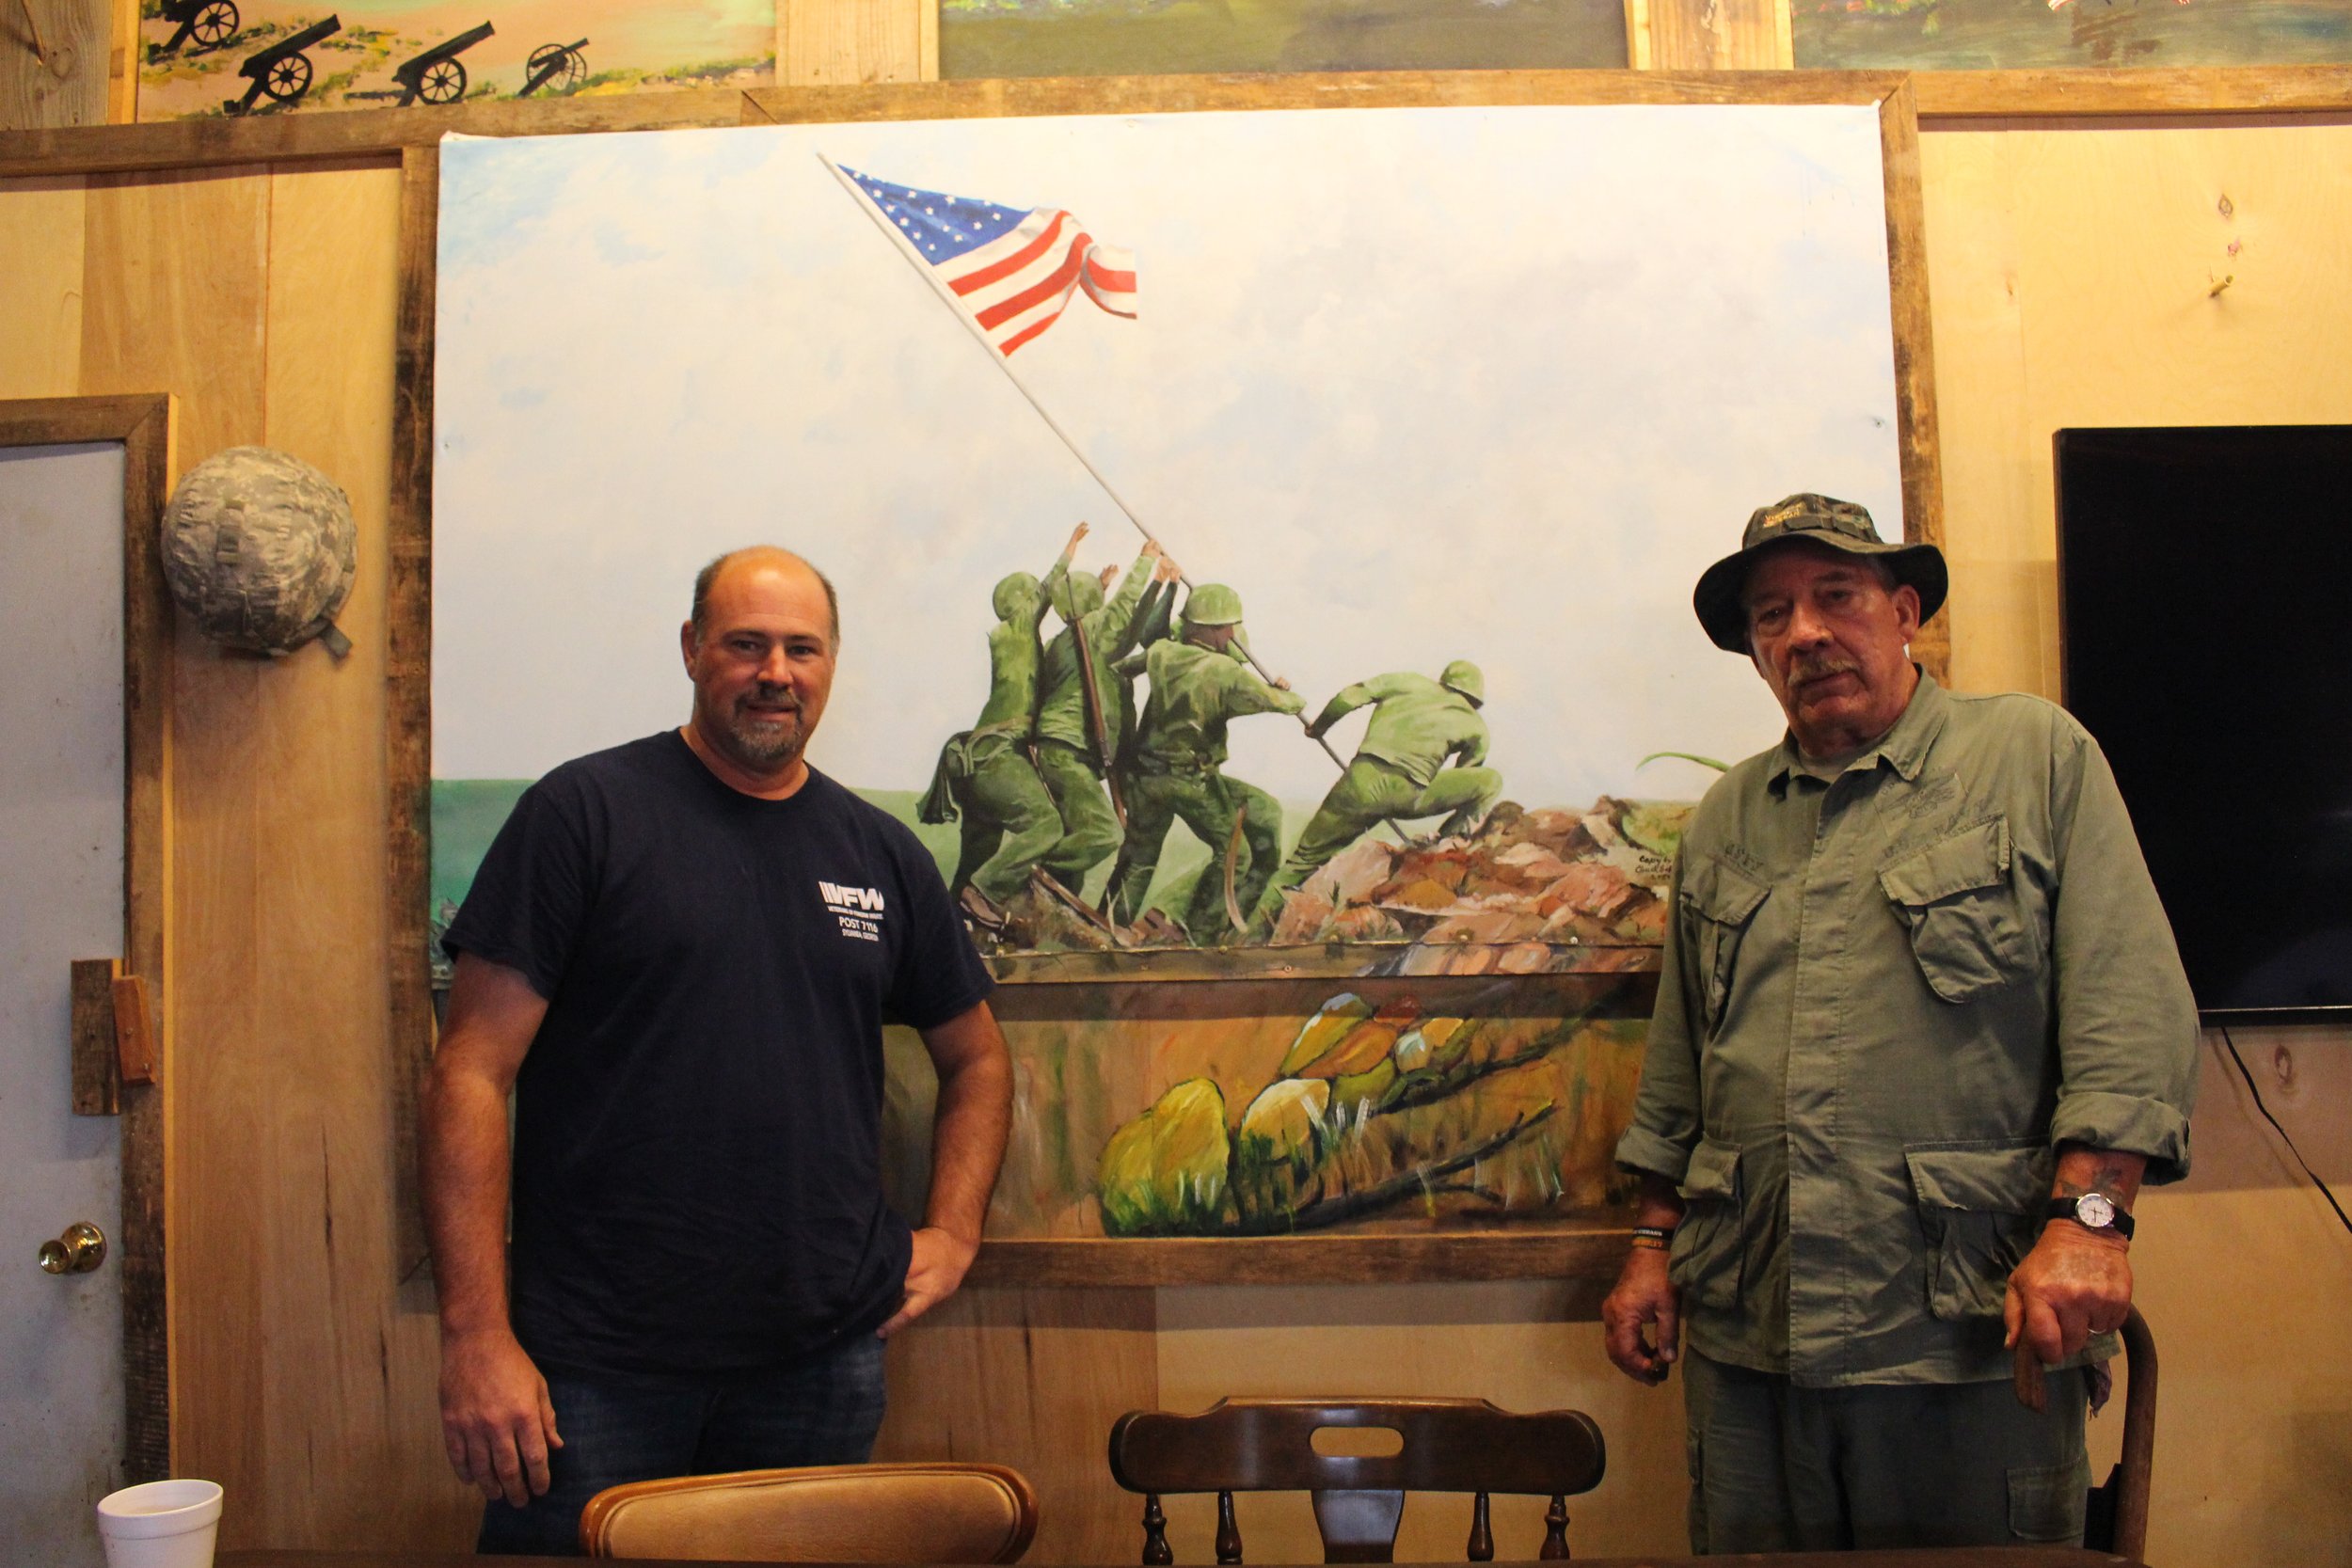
{"x":1111,"y":38}
{"x":2010,"y":35}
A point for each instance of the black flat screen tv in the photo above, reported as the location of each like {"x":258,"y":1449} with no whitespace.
{"x":2205,"y":626}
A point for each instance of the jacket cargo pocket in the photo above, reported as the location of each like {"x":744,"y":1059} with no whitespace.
{"x":1724,"y":899}
{"x":1706,"y":1264}
{"x":2048,"y":1503}
{"x":1966,"y":928}
{"x":1979,"y":1210}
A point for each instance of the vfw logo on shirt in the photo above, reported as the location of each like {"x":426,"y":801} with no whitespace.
{"x":858,"y":909}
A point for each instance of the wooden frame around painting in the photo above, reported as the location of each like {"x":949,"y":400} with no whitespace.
{"x":1580,"y":1251}
{"x":142,"y":423}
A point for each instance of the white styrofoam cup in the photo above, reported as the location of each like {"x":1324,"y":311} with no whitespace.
{"x":163,"y":1524}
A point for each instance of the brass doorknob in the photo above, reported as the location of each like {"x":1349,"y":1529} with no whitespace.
{"x":82,"y":1248}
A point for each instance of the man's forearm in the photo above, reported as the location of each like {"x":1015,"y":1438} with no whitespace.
{"x":973,"y":1119}
{"x":465,"y":1180}
{"x":2109,"y":1172}
{"x":1660,"y":1206}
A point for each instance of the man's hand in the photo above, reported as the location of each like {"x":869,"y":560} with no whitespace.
{"x":2071,"y":1285}
{"x":496,"y":1418}
{"x":1644,"y":1297}
{"x":1165,"y":570}
{"x":933,"y":1271}
{"x":1075,"y":534}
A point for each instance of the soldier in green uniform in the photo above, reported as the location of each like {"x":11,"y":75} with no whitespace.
{"x":1082,"y":712}
{"x":1197,"y":684}
{"x":985,"y":776}
{"x":1417,"y":726}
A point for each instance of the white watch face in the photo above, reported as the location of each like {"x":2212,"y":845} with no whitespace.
{"x":2094,"y":1210}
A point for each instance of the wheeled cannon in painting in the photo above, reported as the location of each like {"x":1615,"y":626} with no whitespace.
{"x":282,"y":72}
{"x":211,"y":22}
{"x":556,"y":67}
{"x":437,"y":76}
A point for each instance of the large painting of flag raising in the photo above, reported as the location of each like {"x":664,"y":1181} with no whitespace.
{"x":1265,"y":541}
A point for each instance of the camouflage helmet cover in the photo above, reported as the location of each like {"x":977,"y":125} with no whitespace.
{"x":261,"y":548}
{"x":1464,"y":677}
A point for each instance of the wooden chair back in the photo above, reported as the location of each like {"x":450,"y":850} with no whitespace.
{"x":927,"y":1512}
{"x":1266,"y":1445}
{"x":2117,"y":1517}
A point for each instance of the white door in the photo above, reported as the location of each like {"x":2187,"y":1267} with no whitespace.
{"x":61,"y":780}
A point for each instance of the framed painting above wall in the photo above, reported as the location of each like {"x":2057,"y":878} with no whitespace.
{"x":1422,"y":387}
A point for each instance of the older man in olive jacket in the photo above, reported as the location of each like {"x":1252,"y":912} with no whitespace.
{"x":1921,"y":1035}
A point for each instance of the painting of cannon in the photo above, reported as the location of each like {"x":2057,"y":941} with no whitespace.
{"x":209,"y":23}
{"x":283,"y":72}
{"x":437,"y":76}
{"x":556,"y":67}
{"x":401,"y":53}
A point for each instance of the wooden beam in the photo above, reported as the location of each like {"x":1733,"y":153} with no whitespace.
{"x":1942,"y":96}
{"x":53,"y":59}
{"x":1710,"y":35}
{"x":1915,"y":353}
{"x":1586,"y":1255}
{"x":96,"y":1070}
{"x":408,"y":689}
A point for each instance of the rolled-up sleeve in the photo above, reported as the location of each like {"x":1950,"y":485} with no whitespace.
{"x":2126,"y":1021}
{"x":1666,"y":1124}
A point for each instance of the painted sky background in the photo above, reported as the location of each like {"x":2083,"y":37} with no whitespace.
{"x":1424,"y":383}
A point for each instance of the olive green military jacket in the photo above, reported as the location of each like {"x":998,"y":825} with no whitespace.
{"x":1195,"y":692}
{"x":1418,"y":724}
{"x":1886,"y":998}
{"x":1012,"y":660}
{"x":1063,"y":713}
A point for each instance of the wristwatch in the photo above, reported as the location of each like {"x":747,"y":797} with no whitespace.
{"x":2092,"y":1211}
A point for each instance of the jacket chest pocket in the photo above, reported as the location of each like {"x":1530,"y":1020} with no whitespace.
{"x":1979,"y":1210}
{"x":1724,"y":900}
{"x":1967,"y":931}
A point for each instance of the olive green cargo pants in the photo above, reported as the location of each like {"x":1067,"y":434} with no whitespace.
{"x":1775,"y":1468}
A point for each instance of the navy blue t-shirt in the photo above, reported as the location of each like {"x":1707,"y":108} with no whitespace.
{"x":698,"y":1123}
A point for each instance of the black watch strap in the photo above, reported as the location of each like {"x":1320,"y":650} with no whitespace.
{"x":2092,"y":1211}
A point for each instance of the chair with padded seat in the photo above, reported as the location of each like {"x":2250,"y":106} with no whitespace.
{"x":1267,"y":1445}
{"x":919,"y":1513}
{"x":2117,"y":1520}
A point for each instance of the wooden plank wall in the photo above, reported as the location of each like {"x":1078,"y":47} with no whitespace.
{"x":2069,"y":281}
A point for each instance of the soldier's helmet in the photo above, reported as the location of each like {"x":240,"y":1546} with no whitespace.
{"x":1463,"y":677}
{"x":259,"y":548}
{"x":1080,"y":594}
{"x":1213,"y":604}
{"x":1015,"y":595}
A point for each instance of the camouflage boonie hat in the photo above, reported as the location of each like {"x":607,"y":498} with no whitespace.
{"x":1840,"y":526}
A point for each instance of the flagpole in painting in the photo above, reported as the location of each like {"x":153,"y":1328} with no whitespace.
{"x":1013,"y":271}
{"x":1000,"y":353}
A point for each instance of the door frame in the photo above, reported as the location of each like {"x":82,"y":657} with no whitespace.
{"x":143,"y":423}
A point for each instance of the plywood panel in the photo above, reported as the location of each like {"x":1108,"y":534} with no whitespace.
{"x":354,"y":1447}
{"x":1709,"y":35}
{"x":2093,"y":304}
{"x":40,"y":309}
{"x":1505,"y":1342}
{"x":174,"y":296}
{"x":1034,"y":1379}
{"x":846,"y":42}
{"x":54,"y":61}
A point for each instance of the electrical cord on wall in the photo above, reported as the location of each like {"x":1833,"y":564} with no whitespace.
{"x":2257,"y":1093}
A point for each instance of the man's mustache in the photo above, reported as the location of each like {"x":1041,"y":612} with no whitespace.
{"x":1807,"y":670}
{"x":778,"y":696}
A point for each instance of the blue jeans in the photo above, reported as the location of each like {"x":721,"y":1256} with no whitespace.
{"x":824,"y":1411}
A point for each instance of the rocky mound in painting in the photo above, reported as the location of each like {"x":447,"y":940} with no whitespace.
{"x":1371,"y":1108}
{"x":1503,"y":898}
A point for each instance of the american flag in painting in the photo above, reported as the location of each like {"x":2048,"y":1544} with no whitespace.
{"x":1014,"y":268}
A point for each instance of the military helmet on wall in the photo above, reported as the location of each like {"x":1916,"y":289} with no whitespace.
{"x":259,"y":548}
{"x":1464,"y":677}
